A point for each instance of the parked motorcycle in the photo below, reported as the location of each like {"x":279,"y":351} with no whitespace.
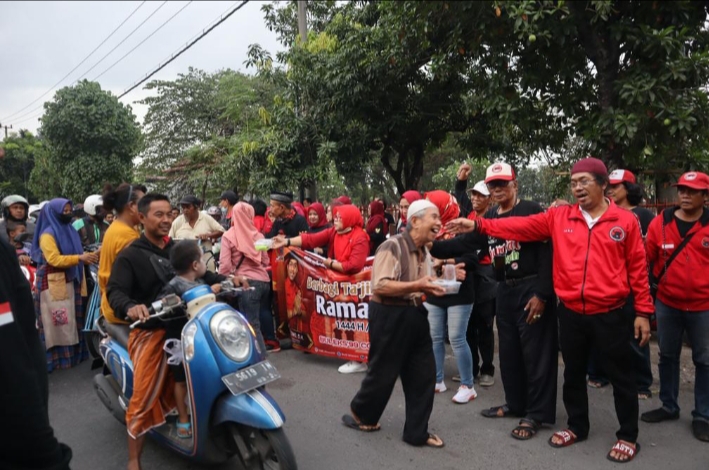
{"x":231,"y":412}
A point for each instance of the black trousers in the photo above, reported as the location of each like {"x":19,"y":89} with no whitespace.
{"x":481,"y":338}
{"x":529,"y":355}
{"x":400,"y":346}
{"x":610,"y":334}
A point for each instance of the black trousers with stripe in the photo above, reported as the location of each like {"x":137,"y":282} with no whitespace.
{"x":529,"y":354}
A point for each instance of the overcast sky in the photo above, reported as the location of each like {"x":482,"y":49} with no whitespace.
{"x":40,"y":42}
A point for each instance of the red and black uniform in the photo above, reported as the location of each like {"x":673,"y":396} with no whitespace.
{"x":595,"y":269}
{"x":681,"y":287}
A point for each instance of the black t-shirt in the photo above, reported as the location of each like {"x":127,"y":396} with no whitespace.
{"x":645,"y":217}
{"x":523,"y":259}
{"x":289,"y":227}
{"x":684,"y":227}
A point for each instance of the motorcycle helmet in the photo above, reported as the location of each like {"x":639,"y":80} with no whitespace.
{"x":10,"y":200}
{"x":214,"y":210}
{"x":92,"y":203}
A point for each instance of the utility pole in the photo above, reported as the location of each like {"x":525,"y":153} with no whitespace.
{"x":312,"y":189}
{"x":6,"y":128}
{"x":302,"y":23}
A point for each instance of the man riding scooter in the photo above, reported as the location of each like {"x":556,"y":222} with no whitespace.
{"x":138,"y":275}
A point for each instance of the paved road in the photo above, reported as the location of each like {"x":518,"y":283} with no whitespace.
{"x":314,"y":396}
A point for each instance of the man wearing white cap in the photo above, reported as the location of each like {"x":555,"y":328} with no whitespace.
{"x":399,"y":334}
{"x":526,"y":320}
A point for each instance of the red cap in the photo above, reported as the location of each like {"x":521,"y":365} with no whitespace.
{"x":694,"y":180}
{"x":618,"y":176}
{"x":590,"y":165}
{"x":499,"y":171}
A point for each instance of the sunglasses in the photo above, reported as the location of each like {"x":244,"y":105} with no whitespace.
{"x":497,"y":184}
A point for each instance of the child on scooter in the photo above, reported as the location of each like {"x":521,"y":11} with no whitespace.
{"x":191,"y":271}
{"x":15,"y":229}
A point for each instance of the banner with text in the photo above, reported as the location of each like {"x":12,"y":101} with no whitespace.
{"x":324,"y":312}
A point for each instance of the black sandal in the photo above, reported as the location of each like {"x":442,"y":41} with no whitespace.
{"x":494,"y":412}
{"x":529,"y":426}
{"x":352,"y":422}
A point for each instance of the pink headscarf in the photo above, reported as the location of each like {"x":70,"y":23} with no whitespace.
{"x":243,"y":233}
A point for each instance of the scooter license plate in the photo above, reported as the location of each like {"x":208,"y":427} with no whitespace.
{"x":251,"y":377}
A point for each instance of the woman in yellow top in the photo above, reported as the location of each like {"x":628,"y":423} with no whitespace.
{"x":56,"y":248}
{"x":122,"y":232}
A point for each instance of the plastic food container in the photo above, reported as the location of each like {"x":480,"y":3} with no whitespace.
{"x":264,"y":244}
{"x":451,"y":287}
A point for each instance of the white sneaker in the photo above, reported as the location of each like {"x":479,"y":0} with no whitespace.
{"x":465,"y":394}
{"x":441,"y":387}
{"x":352,"y":367}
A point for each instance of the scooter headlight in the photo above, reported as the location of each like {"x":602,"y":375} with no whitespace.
{"x":232,"y":334}
{"x":188,"y":341}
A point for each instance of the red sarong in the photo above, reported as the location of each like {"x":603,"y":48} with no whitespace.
{"x":153,"y":385}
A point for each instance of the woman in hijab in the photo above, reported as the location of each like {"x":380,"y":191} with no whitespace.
{"x":377,"y":226}
{"x":406,"y":200}
{"x":239,"y":257}
{"x":317,"y":221}
{"x":348,"y":248}
{"x":348,"y":243}
{"x":60,"y":284}
{"x":452,"y":310}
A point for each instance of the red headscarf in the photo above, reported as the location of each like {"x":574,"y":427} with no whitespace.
{"x":320,"y":211}
{"x":243,"y":233}
{"x":410,"y":196}
{"x":351,"y":218}
{"x":447,"y":207}
{"x":376,"y":217}
{"x":298,"y":207}
{"x":341,"y":201}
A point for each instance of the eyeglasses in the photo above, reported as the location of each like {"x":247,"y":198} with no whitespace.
{"x":582,"y":182}
{"x":497,"y":184}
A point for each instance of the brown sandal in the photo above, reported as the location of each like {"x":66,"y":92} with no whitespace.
{"x":434,"y":441}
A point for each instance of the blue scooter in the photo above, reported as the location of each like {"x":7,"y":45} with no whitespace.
{"x":231,"y":412}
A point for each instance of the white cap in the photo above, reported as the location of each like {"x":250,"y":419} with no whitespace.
{"x":419,"y":206}
{"x":480,"y":187}
{"x":499,"y":171}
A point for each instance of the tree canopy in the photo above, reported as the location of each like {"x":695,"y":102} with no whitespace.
{"x":91,"y":139}
{"x":22,"y":150}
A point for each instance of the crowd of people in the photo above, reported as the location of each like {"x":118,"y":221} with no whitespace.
{"x":573,"y":278}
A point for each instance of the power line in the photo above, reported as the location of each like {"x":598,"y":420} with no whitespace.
{"x":143,"y":41}
{"x":102,"y":58}
{"x":124,"y":40}
{"x":184,"y":49}
{"x":80,"y":63}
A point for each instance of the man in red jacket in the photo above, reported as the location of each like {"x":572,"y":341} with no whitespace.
{"x":682,"y":297}
{"x":599,"y":259}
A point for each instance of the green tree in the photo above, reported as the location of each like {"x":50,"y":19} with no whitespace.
{"x":91,"y":139}
{"x":366,"y":98}
{"x":201,"y":133}
{"x":628,"y":77}
{"x":21,"y":152}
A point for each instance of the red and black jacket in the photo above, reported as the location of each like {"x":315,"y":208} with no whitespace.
{"x":685,"y":285}
{"x":594,"y":269}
